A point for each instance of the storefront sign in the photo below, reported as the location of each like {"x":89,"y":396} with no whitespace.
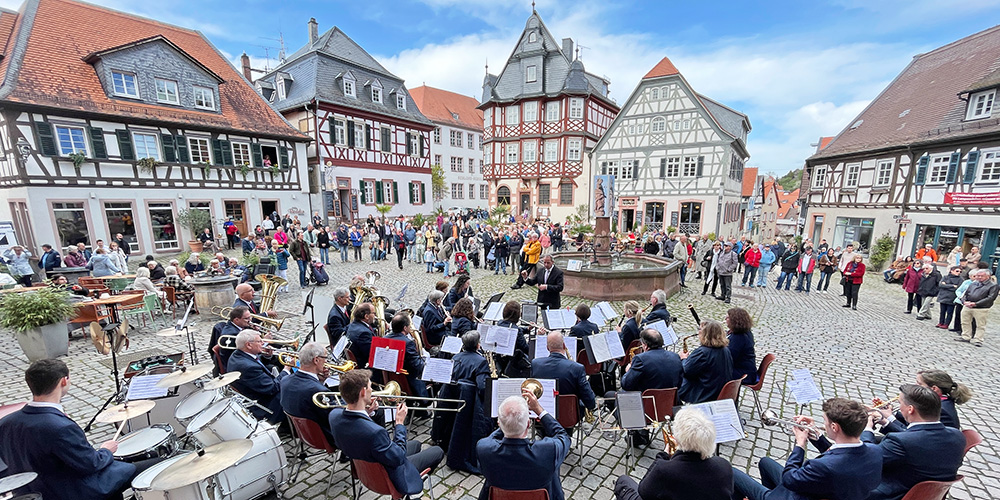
{"x":972,"y":198}
{"x":629,"y":202}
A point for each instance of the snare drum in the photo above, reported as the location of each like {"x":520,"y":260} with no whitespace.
{"x":195,"y":403}
{"x":141,"y":485}
{"x":224,"y":420}
{"x":252,"y":476}
{"x":157,"y":440}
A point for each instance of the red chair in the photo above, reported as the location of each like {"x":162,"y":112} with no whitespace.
{"x":731,"y":391}
{"x":501,"y":494}
{"x":310,"y":434}
{"x":972,"y":439}
{"x":591,"y":368}
{"x":658,"y":406}
{"x":217,"y":355}
{"x":931,"y":490}
{"x":761,"y":372}
{"x":568,"y":410}
{"x":374,"y":477}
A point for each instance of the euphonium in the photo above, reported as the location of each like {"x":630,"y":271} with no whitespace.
{"x":269,"y":285}
{"x":533,"y":385}
{"x":380,"y":302}
{"x":371,"y":277}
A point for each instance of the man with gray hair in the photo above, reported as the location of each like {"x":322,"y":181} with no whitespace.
{"x":256,"y":382}
{"x":658,"y":300}
{"x":510,"y":461}
{"x":339,"y":316}
{"x":297,"y":390}
{"x":977,"y":301}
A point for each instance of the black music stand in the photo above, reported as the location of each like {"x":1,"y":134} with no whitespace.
{"x":308,"y":306}
{"x":182,"y":325}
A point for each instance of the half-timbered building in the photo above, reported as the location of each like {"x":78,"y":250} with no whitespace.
{"x":677,"y":157}
{"x":371,"y":145}
{"x":541,"y":116}
{"x":922,"y":162}
{"x":112,"y":123}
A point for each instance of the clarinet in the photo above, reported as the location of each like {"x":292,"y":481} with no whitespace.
{"x":694,"y":313}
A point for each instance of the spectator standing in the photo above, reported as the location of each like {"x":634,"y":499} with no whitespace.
{"x":682,"y":255}
{"x":946,"y":295}
{"x":807,"y":263}
{"x":725,"y":267}
{"x":789,"y":264}
{"x":124,"y":245}
{"x":978,"y":300}
{"x":767,"y":259}
{"x":299,"y":249}
{"x":50,"y":259}
{"x":927,"y":289}
{"x":854,"y":273}
{"x":74,"y":258}
{"x":323,"y":244}
{"x":102,"y":264}
{"x":751,"y":264}
{"x":911,"y":281}
{"x":18,"y":264}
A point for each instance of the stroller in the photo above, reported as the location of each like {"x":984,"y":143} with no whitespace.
{"x":461,"y":263}
{"x":318,"y":273}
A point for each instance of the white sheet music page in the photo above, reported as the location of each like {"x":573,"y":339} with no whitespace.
{"x":667,"y":331}
{"x":597,"y":317}
{"x":599,"y":346}
{"x":724,"y":417}
{"x":803,"y":387}
{"x":386,"y":359}
{"x":501,"y":340}
{"x":438,"y":370}
{"x":614,"y":344}
{"x":494,"y":312}
{"x":333,"y":380}
{"x":554,"y":319}
{"x":484,"y":332}
{"x":417,"y":321}
{"x":144,"y":387}
{"x":504,"y":388}
{"x":606,"y":309}
{"x":630,"y":409}
{"x":542,"y":349}
{"x":451,"y":344}
{"x":338,"y":350}
{"x":572,"y":346}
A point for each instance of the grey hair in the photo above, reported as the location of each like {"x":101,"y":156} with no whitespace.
{"x":310,"y":352}
{"x":193,"y":258}
{"x":340,"y":292}
{"x":977,"y":272}
{"x":513,"y":416}
{"x":470,"y":341}
{"x":660,"y":296}
{"x":927,"y":259}
{"x":694,"y":432}
{"x":142,"y":272}
{"x":435,"y":296}
{"x":170,"y":270}
{"x":243,"y":338}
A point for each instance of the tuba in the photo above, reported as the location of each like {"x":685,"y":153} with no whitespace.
{"x":269,"y":285}
{"x":380,"y":302}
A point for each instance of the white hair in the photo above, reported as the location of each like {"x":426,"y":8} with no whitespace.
{"x":660,"y":296}
{"x":694,"y":432}
{"x":245,"y":337}
{"x":927,"y":259}
{"x":513,"y":416}
{"x":435,"y":296}
{"x":193,"y":258}
{"x":341,"y":292}
{"x":142,"y":272}
{"x":310,"y":352}
{"x":170,"y":270}
{"x":977,"y":272}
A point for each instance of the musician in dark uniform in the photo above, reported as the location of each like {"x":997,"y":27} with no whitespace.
{"x":339,"y":316}
{"x":707,"y":368}
{"x":657,"y":299}
{"x":413,"y":363}
{"x":360,"y":332}
{"x":256,"y":382}
{"x":244,"y":297}
{"x":583,"y":327}
{"x":239,"y":320}
{"x":462,"y":289}
{"x":518,"y":365}
{"x":654,"y":367}
{"x":550,"y":284}
{"x":297,"y":389}
{"x":470,"y":366}
{"x":629,"y":331}
{"x":437,"y":323}
{"x":572,"y":379}
{"x":464,"y":316}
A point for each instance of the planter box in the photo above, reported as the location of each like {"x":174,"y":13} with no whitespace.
{"x":46,"y":342}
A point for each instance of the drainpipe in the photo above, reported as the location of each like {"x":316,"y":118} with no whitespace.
{"x":907,"y":185}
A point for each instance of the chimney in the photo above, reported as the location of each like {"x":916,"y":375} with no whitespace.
{"x":313,"y":30}
{"x":245,"y":63}
{"x":567,"y":48}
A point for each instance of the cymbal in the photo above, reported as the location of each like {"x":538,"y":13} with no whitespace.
{"x":184,"y":375}
{"x":169,"y":332}
{"x":221,"y":381}
{"x":125,"y":411}
{"x":11,"y":483}
{"x":99,"y":338}
{"x":208,"y":462}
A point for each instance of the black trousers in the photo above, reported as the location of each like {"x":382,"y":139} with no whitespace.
{"x":714,"y":278}
{"x":852,"y":294}
{"x":727,"y":286}
{"x":399,"y":257}
{"x":423,"y":459}
{"x":912,"y":299}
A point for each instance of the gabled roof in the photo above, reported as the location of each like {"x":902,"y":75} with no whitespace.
{"x":438,"y":105}
{"x":95,"y":56}
{"x":46,"y":68}
{"x":729,"y":119}
{"x":923,"y":103}
{"x":335,"y":43}
{"x":786,"y":200}
{"x":749,"y":181}
{"x":770,"y":186}
{"x":8,"y":19}
{"x":662,"y":68}
{"x":824,"y":142}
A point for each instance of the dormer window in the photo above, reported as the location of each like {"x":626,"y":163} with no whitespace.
{"x":204,"y":98}
{"x":166,"y":91}
{"x":124,"y":84}
{"x":981,"y":105}
{"x":401,"y":101}
{"x":530,"y":74}
{"x":376,"y":95}
{"x":349,"y":88}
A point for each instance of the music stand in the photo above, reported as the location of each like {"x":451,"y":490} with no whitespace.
{"x":308,"y":306}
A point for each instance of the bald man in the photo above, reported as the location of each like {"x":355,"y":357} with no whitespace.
{"x":244,"y":297}
{"x":570,"y":374}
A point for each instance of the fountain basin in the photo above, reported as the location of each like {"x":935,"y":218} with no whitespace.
{"x":629,"y":277}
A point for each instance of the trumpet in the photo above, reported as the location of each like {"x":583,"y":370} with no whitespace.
{"x":877,"y":403}
{"x":290,"y":358}
{"x":684,"y":341}
{"x":392,"y":394}
{"x":223,"y":312}
{"x":770,"y":418}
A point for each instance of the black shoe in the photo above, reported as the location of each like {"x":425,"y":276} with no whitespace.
{"x":683,"y":285}
{"x":703,"y":293}
{"x":720,"y":298}
{"x":960,"y":339}
{"x":727,"y":301}
{"x":922,"y":319}
{"x":515,"y":287}
{"x":854,"y":308}
{"x":904,"y":312}
{"x":846,"y":305}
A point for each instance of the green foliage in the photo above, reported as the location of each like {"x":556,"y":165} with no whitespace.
{"x":78,"y":158}
{"x":881,"y":252}
{"x":205,"y":168}
{"x":27,"y":310}
{"x":710,"y":236}
{"x":418,"y":221}
{"x":383,"y":209}
{"x":275,"y":170}
{"x":499,"y":215}
{"x":250,"y":259}
{"x":147,"y":165}
{"x":244,"y":170}
{"x":671,"y":229}
{"x":195,"y":220}
{"x":438,"y":184}
{"x":791,"y":180}
{"x":581,"y":229}
{"x":204,"y":257}
{"x":583,"y":212}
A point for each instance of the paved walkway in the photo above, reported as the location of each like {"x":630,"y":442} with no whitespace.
{"x":856,"y":354}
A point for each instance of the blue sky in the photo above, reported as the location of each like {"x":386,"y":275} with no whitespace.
{"x":799,"y":70}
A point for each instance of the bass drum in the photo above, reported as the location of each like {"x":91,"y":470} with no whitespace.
{"x":157,"y":440}
{"x":141,"y":485}
{"x":261,"y":470}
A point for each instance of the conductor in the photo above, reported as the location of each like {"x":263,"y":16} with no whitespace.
{"x":550,"y":283}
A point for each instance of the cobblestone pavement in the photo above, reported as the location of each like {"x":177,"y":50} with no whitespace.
{"x":856,"y":354}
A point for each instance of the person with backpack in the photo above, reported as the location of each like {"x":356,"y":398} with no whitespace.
{"x":789,"y":265}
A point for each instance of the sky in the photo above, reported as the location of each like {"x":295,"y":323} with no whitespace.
{"x":798,"y":70}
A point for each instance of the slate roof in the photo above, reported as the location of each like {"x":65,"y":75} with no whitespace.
{"x":749,"y":181}
{"x":316,"y":71}
{"x":439,"y":105}
{"x":46,"y":68}
{"x":923,"y":104}
{"x":729,"y":119}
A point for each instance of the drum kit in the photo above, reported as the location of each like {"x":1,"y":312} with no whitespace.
{"x":11,"y":483}
{"x":225,"y":452}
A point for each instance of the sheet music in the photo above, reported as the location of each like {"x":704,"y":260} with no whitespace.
{"x":724,"y":417}
{"x":597,"y":317}
{"x":542,"y":349}
{"x":386,"y":359}
{"x":630,"y":411}
{"x":500,"y":340}
{"x":504,"y":388}
{"x":614,"y":344}
{"x":529,"y":313}
{"x":606,"y":310}
{"x":494,"y":312}
{"x":144,"y":387}
{"x":599,"y":346}
{"x":554,"y":319}
{"x":416,"y":321}
{"x":451,"y":344}
{"x":667,"y":331}
{"x":437,"y":370}
{"x":803,"y":387}
{"x":484,"y":332}
{"x":338,"y":350}
{"x":333,"y":380}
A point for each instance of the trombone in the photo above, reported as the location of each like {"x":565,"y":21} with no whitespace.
{"x":229,"y":342}
{"x":223,"y":312}
{"x":291,"y":358}
{"x":390,"y":393}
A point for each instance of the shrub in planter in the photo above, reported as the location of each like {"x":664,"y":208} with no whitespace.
{"x":38,"y":319}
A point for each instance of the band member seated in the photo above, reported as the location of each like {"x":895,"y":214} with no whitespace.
{"x":741,"y":345}
{"x":657,"y":299}
{"x":339,"y":316}
{"x":950,"y":392}
{"x":256,"y":382}
{"x":441,"y":286}
{"x":583,"y":327}
{"x":654,"y":367}
{"x":707,"y":368}
{"x":239,"y":320}
{"x":361,"y":438}
{"x":629,"y":331}
{"x":413,"y":363}
{"x":436,"y":322}
{"x":297,"y":389}
{"x":41,"y":438}
{"x":925,"y":451}
{"x":510,"y":461}
{"x":244,"y":297}
{"x":470,"y":366}
{"x":849,"y":470}
{"x":360,"y":332}
{"x":550,"y":283}
{"x":690,"y":473}
{"x":572,"y":379}
{"x":463,"y":316}
{"x":518,"y":365}
{"x":462,"y":289}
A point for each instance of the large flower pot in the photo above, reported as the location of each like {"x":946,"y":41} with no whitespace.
{"x":45,"y":342}
{"x":195,"y":246}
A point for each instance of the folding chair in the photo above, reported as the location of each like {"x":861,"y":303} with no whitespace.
{"x":309,"y":433}
{"x":374,"y":477}
{"x":761,"y":372}
{"x":731,"y":391}
{"x":501,"y":494}
{"x":568,"y":409}
{"x":972,"y":439}
{"x":658,"y":406}
{"x":931,"y":490}
{"x":591,"y":368}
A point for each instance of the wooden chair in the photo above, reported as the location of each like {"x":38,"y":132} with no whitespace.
{"x":591,"y":368}
{"x":731,"y":391}
{"x":11,"y":408}
{"x":972,"y":439}
{"x":931,"y":490}
{"x":171,"y":301}
{"x":761,"y":372}
{"x":658,"y":406}
{"x":502,"y":494}
{"x":217,"y":357}
{"x":374,"y":477}
{"x":310,"y":434}
{"x":568,"y":409}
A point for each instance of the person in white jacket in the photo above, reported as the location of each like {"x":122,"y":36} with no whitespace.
{"x":117,"y":256}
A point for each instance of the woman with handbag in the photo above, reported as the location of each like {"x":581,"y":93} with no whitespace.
{"x":854,"y":273}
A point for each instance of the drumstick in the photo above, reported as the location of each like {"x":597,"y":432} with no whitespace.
{"x":119,"y":432}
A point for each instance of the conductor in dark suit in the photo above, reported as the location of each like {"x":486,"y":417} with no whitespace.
{"x":360,"y":332}
{"x":550,"y":283}
{"x":691,"y":473}
{"x":298,"y":388}
{"x":361,"y":438}
{"x":583,"y":327}
{"x":654,"y":367}
{"x":339,"y":317}
{"x":413,"y":363}
{"x":41,"y":438}
{"x":571,"y":377}
{"x":256,"y":381}
{"x":510,"y":461}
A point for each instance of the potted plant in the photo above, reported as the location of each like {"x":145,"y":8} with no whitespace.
{"x":195,"y":220}
{"x":38,"y":319}
{"x":147,"y":165}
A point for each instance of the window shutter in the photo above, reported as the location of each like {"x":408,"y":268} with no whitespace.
{"x":378,"y":193}
{"x":422,"y":145}
{"x":409,"y":147}
{"x":921,"y":176}
{"x":953,"y":168}
{"x":413,"y":188}
{"x":701,"y":165}
{"x":125,"y":145}
{"x":258,"y":156}
{"x":97,"y":146}
{"x":46,"y":141}
{"x":422,"y":197}
{"x":283,"y":155}
{"x":368,"y":137}
{"x":361,"y":190}
{"x":386,"y":140}
{"x":350,"y":134}
{"x":227,"y":153}
{"x":181,"y":143}
{"x":395,"y":192}
{"x":604,"y":168}
{"x":970,"y":167}
{"x":333,"y":131}
{"x":663,"y":167}
{"x":217,"y":152}
{"x":169,"y":152}
{"x":635,"y":169}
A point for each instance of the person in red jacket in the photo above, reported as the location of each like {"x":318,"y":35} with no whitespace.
{"x":751,"y":261}
{"x":854,"y":273}
{"x":911,"y":280}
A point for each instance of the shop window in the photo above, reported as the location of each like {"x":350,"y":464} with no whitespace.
{"x":121,"y":219}
{"x":71,"y":223}
{"x":161,"y":218}
{"x":854,"y":229}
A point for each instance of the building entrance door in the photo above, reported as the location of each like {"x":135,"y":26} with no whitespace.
{"x":628,"y":219}
{"x":237,"y":209}
{"x":525,"y":203}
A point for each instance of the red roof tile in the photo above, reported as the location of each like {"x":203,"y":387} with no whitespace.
{"x":438,"y":105}
{"x":7,"y":20}
{"x":53,"y":72}
{"x":749,"y":180}
{"x":662,"y":68}
{"x":824,"y":142}
{"x":787,"y":200}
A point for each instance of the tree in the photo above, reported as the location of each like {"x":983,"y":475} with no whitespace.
{"x":791,"y":180}
{"x":384,"y":209}
{"x":437,"y":182}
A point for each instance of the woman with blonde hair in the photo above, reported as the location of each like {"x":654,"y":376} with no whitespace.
{"x":707,"y":368}
{"x":629,"y":331}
